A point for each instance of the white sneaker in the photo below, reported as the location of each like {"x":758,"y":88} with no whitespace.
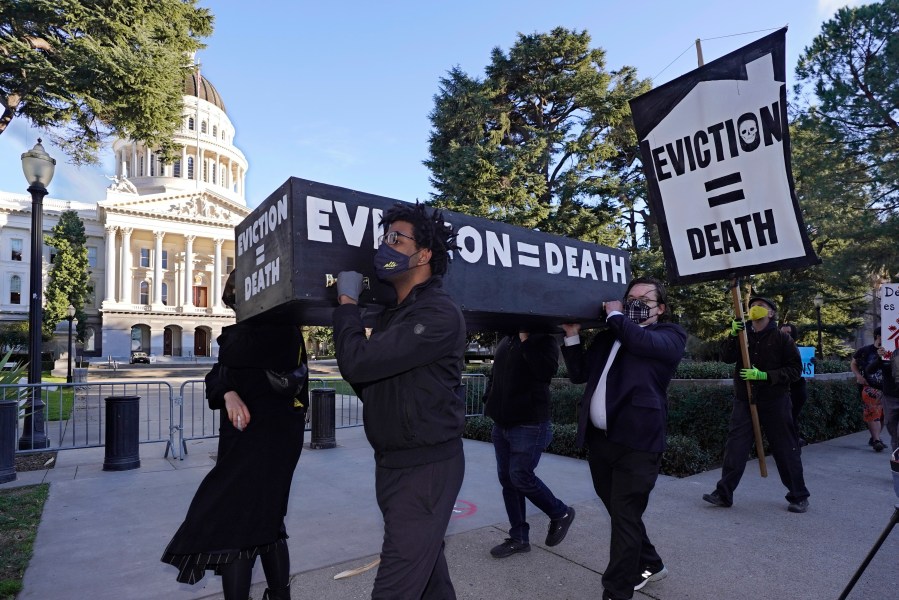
{"x":649,"y":575}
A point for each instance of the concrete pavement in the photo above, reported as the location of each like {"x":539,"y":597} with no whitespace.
{"x":102,"y":533}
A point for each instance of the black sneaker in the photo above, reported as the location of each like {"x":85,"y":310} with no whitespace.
{"x":558,"y":528}
{"x":509,"y":547}
{"x":800,"y":506}
{"x":878,"y":446}
{"x":716,"y":499}
{"x":651,"y":574}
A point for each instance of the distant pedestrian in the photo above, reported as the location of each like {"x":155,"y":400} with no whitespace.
{"x":238,"y":511}
{"x":623,"y":421}
{"x":774,"y":364}
{"x":870,"y":388}
{"x":518,"y":401}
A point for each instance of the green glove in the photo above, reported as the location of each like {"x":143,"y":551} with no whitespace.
{"x":753,"y":374}
{"x":736,"y":327}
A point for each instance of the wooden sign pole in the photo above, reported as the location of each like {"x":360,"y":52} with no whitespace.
{"x":744,"y":349}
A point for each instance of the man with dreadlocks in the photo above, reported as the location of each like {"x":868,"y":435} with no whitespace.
{"x":408,"y":374}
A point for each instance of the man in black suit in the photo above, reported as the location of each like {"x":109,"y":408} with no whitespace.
{"x":623,"y":420}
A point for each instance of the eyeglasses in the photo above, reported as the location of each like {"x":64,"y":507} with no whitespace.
{"x":391,"y":238}
{"x":647,"y":301}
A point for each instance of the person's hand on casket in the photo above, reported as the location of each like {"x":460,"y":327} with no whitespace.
{"x":349,"y":286}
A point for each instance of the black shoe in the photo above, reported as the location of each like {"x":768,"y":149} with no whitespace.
{"x":651,"y":574}
{"x":878,"y":446}
{"x":558,"y":528}
{"x":716,"y":499}
{"x":800,"y":506}
{"x":509,"y":547}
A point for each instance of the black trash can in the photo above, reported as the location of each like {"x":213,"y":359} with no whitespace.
{"x":122,"y":420}
{"x":8,"y":416}
{"x":323,"y":417}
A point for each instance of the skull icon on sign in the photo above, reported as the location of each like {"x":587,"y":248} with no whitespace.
{"x":748,"y":126}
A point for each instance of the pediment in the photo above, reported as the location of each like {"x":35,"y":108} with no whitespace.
{"x":196,"y":206}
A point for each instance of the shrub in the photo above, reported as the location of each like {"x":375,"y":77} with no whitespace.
{"x":684,"y":457}
{"x":565,"y":398}
{"x":691,"y":369}
{"x":564,"y":441}
{"x":478,"y":428}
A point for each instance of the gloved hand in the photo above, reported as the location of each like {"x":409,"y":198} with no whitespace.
{"x":758,"y":312}
{"x":349,"y":284}
{"x":753,"y":374}
{"x":736,"y":327}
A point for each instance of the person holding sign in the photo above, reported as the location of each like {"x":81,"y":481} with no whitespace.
{"x":408,"y":374}
{"x":775,"y":365}
{"x":623,"y":419}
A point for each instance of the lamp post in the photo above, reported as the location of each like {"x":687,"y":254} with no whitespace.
{"x":38,"y":168}
{"x":70,"y":316}
{"x":819,"y":302}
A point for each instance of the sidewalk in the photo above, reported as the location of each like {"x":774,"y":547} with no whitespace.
{"x":102,"y":533}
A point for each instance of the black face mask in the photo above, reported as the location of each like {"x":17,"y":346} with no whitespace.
{"x":389,"y":263}
{"x":636,"y":310}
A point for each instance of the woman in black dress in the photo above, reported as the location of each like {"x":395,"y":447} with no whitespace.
{"x":238,"y":511}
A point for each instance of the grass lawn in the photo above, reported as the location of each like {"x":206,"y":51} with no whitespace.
{"x":59,"y":402}
{"x":20,"y":513}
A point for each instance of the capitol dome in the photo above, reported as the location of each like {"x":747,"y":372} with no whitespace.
{"x":206,"y":90}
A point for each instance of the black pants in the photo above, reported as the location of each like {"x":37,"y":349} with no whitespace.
{"x":776,"y":419}
{"x":623,"y":479}
{"x":417,"y":503}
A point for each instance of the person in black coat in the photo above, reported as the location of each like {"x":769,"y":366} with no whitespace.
{"x":774,"y":364}
{"x":408,"y":374}
{"x":623,"y":419}
{"x":517,"y":398}
{"x":238,"y":511}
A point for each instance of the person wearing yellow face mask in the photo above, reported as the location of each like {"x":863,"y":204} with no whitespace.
{"x":774,"y":364}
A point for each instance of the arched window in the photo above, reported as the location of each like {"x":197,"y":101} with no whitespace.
{"x":140,"y":169}
{"x":215,"y":131}
{"x":203,"y":127}
{"x":190,"y":167}
{"x":177,"y":168}
{"x":213,"y":172}
{"x":190,"y":123}
{"x":205,"y":168}
{"x":15,"y":290}
{"x":144,"y":292}
{"x":165,"y":293}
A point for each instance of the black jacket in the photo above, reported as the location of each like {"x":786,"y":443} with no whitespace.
{"x":771,"y":351}
{"x":518,"y":388}
{"x":637,"y":384}
{"x":408,"y":375}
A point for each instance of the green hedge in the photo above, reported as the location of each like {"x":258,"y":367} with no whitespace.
{"x":698,"y":417}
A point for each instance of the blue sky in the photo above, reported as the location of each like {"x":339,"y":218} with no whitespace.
{"x":339,"y":92}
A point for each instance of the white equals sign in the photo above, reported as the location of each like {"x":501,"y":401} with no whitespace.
{"x":528,"y":255}
{"x":260,"y":254}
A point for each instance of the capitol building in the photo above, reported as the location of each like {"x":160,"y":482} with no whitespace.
{"x":160,"y":245}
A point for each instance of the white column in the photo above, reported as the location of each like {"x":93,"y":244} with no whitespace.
{"x":189,"y":271}
{"x":183,"y":162}
{"x":134,"y":171}
{"x":157,"y":269}
{"x":217,"y":274}
{"x":110,"y":263}
{"x":126,"y":265}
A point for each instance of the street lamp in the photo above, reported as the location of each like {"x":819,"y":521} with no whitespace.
{"x":819,"y":302}
{"x":70,"y":316}
{"x":38,"y":168}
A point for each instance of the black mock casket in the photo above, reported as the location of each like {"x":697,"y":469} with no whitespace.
{"x":293,"y":245}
